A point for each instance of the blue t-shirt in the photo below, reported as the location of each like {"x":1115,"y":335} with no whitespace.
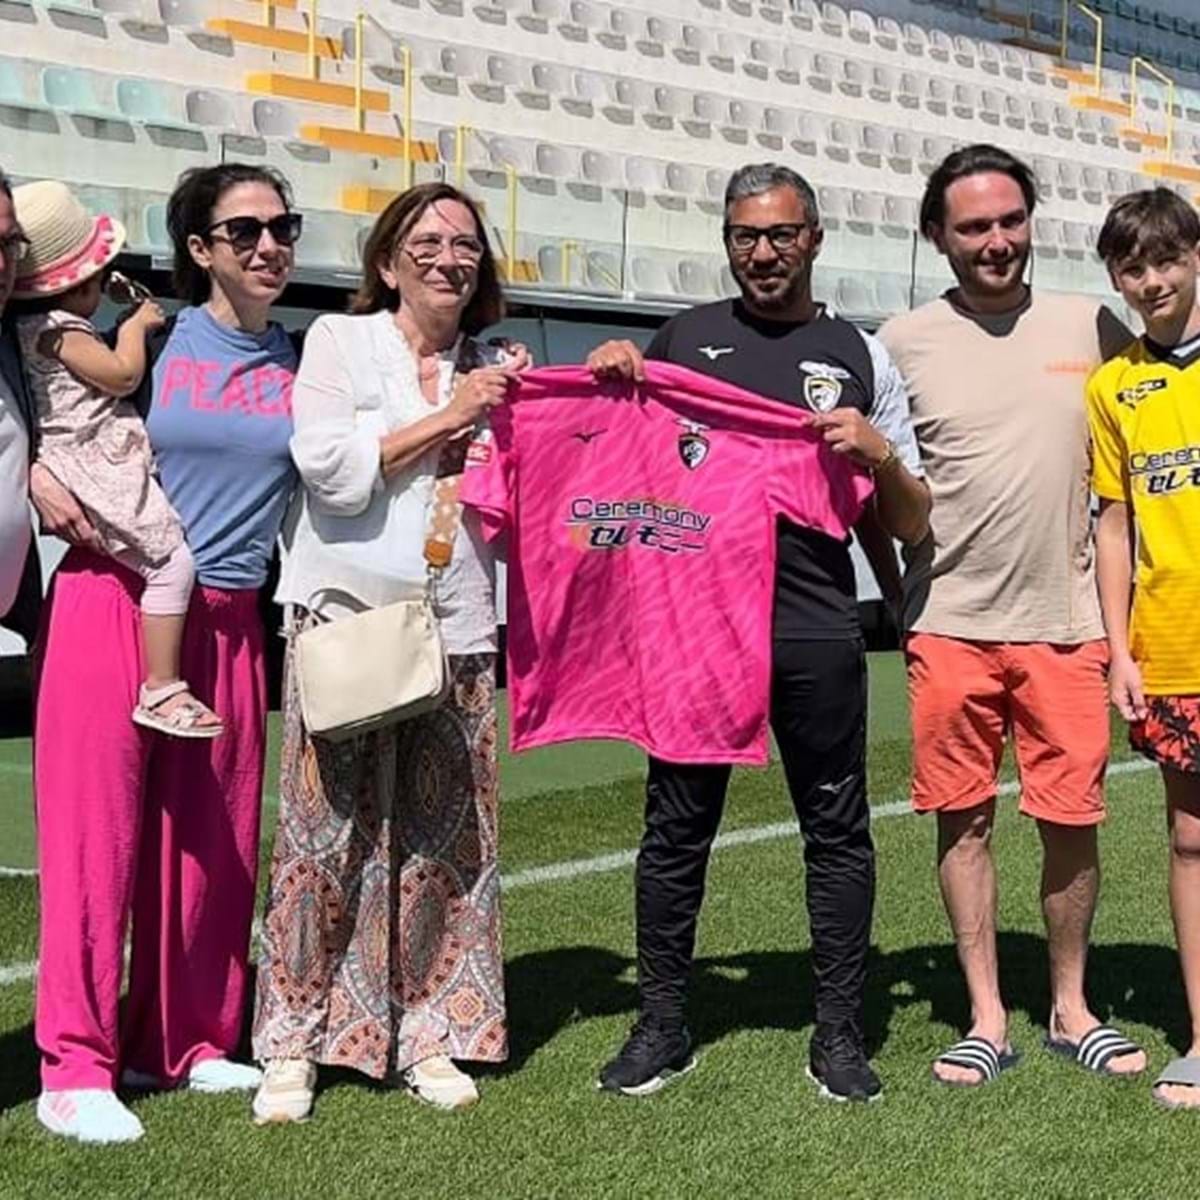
{"x":219,"y":422}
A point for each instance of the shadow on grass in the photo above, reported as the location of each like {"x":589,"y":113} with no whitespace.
{"x":19,"y":1081}
{"x":550,"y":990}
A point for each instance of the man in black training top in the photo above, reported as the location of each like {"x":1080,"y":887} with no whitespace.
{"x":775,"y":340}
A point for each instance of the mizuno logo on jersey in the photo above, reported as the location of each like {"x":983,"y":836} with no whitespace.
{"x":712,"y":353}
{"x":590,"y":435}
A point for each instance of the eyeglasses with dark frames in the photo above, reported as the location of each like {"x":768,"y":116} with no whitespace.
{"x":244,"y":233}
{"x":744,"y":239}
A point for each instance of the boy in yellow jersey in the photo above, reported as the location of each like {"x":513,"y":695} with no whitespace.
{"x":1144,"y":413}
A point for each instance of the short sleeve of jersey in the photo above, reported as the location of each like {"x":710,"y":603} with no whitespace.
{"x":489,"y":475}
{"x":889,"y":407}
{"x":810,"y":486}
{"x":1108,"y":444}
{"x":660,"y":344}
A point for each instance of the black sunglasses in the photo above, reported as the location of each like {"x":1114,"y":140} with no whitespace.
{"x":245,"y":232}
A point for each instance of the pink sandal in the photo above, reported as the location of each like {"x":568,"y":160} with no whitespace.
{"x":183,"y":720}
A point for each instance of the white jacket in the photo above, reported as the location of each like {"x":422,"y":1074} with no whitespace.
{"x":348,"y":529}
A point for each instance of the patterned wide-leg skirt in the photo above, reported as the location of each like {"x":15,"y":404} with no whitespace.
{"x":381,"y":942}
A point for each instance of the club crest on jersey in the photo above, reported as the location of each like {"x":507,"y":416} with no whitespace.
{"x":822,"y":393}
{"x":693,"y":445}
{"x":822,"y":384}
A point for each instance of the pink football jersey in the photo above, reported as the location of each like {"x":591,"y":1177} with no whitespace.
{"x":640,"y":523}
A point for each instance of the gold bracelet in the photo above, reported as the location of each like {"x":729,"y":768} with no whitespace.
{"x":888,"y":460}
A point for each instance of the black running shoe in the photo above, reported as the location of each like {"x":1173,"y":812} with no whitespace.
{"x":837,"y":1064}
{"x":653,"y":1054}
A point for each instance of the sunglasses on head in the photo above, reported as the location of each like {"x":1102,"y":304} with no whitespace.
{"x":244,"y":233}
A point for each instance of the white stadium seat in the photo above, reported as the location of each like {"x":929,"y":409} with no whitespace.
{"x":589,"y":102}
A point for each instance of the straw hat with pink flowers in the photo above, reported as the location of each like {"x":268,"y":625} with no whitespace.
{"x":67,"y":245}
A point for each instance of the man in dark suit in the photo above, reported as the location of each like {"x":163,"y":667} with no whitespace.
{"x":20,"y":575}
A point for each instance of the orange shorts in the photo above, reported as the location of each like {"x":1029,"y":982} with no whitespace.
{"x":965,"y":697}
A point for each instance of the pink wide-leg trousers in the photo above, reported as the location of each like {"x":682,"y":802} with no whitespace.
{"x":135,"y":823}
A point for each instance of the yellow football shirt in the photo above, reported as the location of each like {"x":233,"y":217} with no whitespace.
{"x":1144,"y":415}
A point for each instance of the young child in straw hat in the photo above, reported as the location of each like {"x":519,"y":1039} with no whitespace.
{"x":92,"y":439}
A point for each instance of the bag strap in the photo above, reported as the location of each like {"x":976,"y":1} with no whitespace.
{"x":445,"y":512}
{"x":445,"y":509}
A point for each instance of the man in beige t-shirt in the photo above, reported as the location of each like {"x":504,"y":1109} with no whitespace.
{"x":1000,"y":600}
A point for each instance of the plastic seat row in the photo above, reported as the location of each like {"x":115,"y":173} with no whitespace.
{"x":584,"y":92}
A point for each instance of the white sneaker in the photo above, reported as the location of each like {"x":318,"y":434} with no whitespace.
{"x":439,"y":1082}
{"x":89,"y":1115}
{"x":286,"y":1092}
{"x":221,"y":1075}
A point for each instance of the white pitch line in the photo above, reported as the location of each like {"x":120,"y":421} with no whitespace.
{"x":17,"y":973}
{"x":602,"y":864}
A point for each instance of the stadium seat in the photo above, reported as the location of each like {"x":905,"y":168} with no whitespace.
{"x":274,"y":119}
{"x":602,"y":271}
{"x":854,"y":297}
{"x":664,"y":31}
{"x":154,"y":222}
{"x":15,"y":91}
{"x":644,"y":174}
{"x":76,"y":92}
{"x":329,"y":241}
{"x":940,"y":46}
{"x":210,"y":108}
{"x":834,"y":206}
{"x":899,"y":214}
{"x":694,"y":279}
{"x":651,"y":276}
{"x":805,"y":15}
{"x":1047,"y":234}
{"x":506,"y":152}
{"x":834,"y":20}
{"x":151,"y":104}
{"x":866,"y":210}
{"x":601,"y":169}
{"x":551,"y":79}
{"x":745,"y":115}
{"x":891,"y":295}
{"x":553,"y":260}
{"x":558,"y":162}
{"x":579,"y":19}
{"x":536,"y":15}
{"x":888,"y":34}
{"x":861,"y":27}
{"x":684,"y":179}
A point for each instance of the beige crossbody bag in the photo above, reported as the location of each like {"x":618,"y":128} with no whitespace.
{"x":384,"y":665}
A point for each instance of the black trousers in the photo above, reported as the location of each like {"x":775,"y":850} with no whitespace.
{"x":818,"y":714}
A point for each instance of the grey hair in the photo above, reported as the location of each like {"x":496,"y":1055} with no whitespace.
{"x":756,"y":178}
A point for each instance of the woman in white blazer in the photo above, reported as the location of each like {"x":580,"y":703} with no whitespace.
{"x":381,"y":943}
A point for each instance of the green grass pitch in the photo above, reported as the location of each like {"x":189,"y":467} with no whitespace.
{"x":745,"y":1122}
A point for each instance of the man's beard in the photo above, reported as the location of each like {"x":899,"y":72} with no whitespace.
{"x":773,"y":301}
{"x":969,"y":275}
